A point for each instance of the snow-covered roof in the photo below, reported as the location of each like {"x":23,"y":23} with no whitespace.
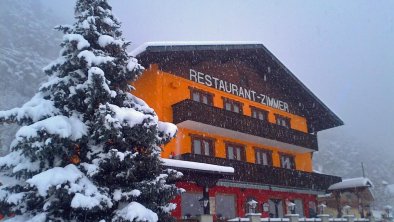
{"x":145,"y":45}
{"x":351,"y":183}
{"x":149,"y":52}
{"x":197,"y":166}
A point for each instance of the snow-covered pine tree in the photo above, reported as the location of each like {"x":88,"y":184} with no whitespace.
{"x":89,"y":150}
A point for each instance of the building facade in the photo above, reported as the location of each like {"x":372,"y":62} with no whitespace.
{"x":236,"y":105}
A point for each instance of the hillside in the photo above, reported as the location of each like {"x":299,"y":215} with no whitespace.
{"x":340,"y":154}
{"x":28,"y":42}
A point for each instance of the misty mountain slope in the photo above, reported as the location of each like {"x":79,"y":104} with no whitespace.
{"x":340,"y":154}
{"x":28,"y":42}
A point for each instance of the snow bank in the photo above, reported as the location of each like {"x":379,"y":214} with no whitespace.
{"x":352,"y":183}
{"x":35,"y":109}
{"x":135,"y":211}
{"x":81,"y":41}
{"x":196,"y":166}
{"x":63,"y":126}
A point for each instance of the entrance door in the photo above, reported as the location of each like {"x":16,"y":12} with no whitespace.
{"x":276,"y":208}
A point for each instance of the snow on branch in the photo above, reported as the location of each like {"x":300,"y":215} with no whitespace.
{"x":125,"y":116}
{"x":86,"y":193}
{"x":133,"y":65}
{"x":105,"y":40}
{"x":64,"y":127}
{"x":91,"y":59}
{"x":34,"y":110}
{"x":168,"y":129}
{"x":18,"y":162}
{"x":78,"y":39}
{"x":135,"y":212}
{"x":42,"y":217}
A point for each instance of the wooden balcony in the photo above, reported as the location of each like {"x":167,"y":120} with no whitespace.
{"x":212,"y":119}
{"x":267,"y":175}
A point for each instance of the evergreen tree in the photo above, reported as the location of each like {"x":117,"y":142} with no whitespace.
{"x":88,"y":150}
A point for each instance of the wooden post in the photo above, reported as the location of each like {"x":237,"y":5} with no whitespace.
{"x":205,"y":195}
{"x":337,"y":196}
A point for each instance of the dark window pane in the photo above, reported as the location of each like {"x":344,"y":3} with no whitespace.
{"x":230,"y":152}
{"x":225,"y":206}
{"x":196,"y":96}
{"x":197,"y":146}
{"x":207,"y":148}
{"x":190,"y":205}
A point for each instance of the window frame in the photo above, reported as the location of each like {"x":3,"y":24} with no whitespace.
{"x":235,"y":145}
{"x":225,"y":194}
{"x":258,"y":150}
{"x":258,"y":110}
{"x":286,"y":119}
{"x":232,"y":103}
{"x":202,"y":93}
{"x":292,"y":160}
{"x":210,"y":140}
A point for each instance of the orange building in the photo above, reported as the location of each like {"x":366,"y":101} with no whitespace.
{"x":236,"y":105}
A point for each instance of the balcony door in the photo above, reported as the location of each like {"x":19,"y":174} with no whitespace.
{"x":235,"y":152}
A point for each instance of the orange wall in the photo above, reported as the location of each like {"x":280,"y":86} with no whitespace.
{"x":161,"y":90}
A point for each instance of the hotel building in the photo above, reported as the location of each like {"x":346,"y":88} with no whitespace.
{"x":236,"y":105}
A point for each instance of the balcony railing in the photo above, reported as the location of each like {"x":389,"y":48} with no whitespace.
{"x":267,"y":175}
{"x":214,"y":116}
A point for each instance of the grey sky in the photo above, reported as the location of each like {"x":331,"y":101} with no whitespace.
{"x":342,"y":50}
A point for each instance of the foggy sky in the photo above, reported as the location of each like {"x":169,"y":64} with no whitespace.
{"x":342,"y":50}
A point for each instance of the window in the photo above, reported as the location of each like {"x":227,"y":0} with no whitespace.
{"x":263,"y":157}
{"x":201,"y":96}
{"x":232,"y":105}
{"x":312,"y":209}
{"x":225,"y":206}
{"x":287,"y":161}
{"x":282,"y":121}
{"x":259,"y":113}
{"x":276,"y":208}
{"x":202,"y":145}
{"x":190,"y":205}
{"x":235,"y":151}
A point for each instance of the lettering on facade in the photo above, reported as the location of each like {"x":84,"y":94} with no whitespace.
{"x":234,"y":89}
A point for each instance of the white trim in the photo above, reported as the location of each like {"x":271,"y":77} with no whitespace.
{"x":226,"y":183}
